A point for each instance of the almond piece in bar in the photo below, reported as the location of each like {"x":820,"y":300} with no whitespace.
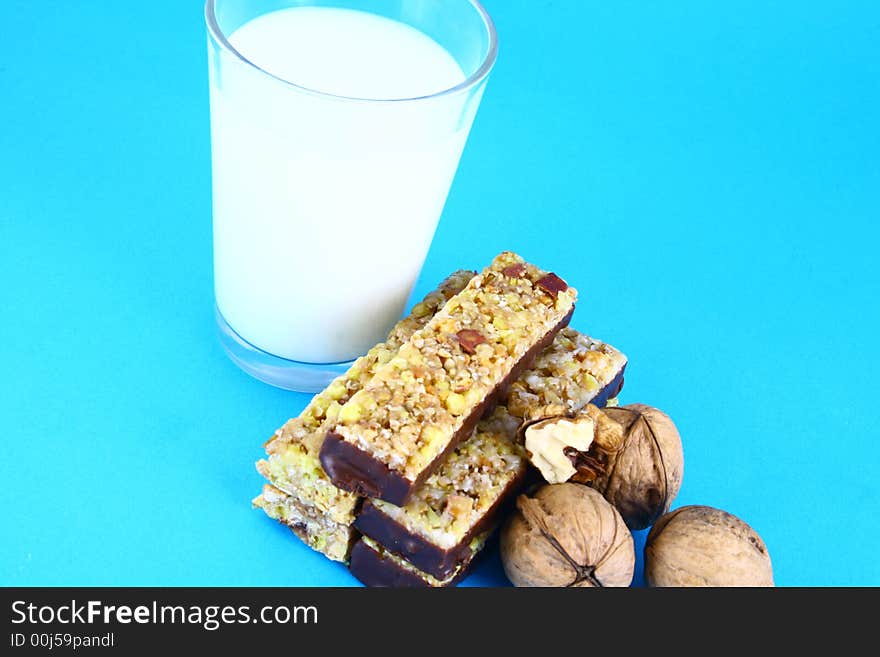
{"x":469,"y":340}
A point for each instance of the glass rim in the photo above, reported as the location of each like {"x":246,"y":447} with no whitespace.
{"x":469,"y":83}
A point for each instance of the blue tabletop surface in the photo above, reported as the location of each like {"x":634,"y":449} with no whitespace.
{"x":705,"y":173}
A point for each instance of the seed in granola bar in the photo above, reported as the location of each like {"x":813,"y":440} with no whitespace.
{"x":469,"y":339}
{"x":552,"y":285}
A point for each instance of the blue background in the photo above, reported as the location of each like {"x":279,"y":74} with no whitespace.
{"x":705,"y":173}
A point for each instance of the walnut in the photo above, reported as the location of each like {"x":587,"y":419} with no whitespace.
{"x":572,"y":446}
{"x":702,"y":546}
{"x":548,"y":441}
{"x":567,"y":535}
{"x":643,"y":477}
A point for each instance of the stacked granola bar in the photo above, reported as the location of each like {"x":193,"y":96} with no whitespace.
{"x":299,"y":493}
{"x":424,"y":427}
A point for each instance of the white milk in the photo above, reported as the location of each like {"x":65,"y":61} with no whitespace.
{"x":324,"y":208}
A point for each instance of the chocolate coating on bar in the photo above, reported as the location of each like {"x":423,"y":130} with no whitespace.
{"x":374,"y":569}
{"x":611,"y":390}
{"x":421,"y":553}
{"x":427,"y":556}
{"x":352,"y":469}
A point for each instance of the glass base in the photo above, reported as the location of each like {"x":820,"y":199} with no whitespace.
{"x":279,"y":372}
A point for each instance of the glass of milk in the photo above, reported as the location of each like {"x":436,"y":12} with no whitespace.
{"x":337,"y":127}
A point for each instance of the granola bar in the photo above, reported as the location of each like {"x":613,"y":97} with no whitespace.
{"x":430,"y":531}
{"x":575,"y":371}
{"x":397,"y":430}
{"x":293,"y":465}
{"x":316,"y":530}
{"x":463,"y":498}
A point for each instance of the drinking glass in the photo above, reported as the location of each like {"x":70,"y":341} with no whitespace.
{"x":324,"y":206}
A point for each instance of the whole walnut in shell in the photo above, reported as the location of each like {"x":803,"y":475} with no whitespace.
{"x":702,"y":546}
{"x":643,"y":477}
{"x":567,"y":535}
